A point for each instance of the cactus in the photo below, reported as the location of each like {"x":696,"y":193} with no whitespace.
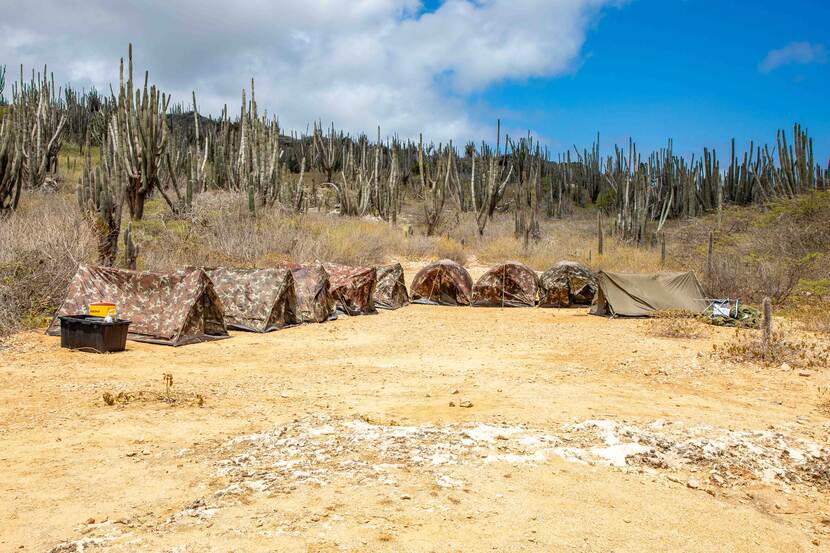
{"x":11,"y":167}
{"x":39,"y":123}
{"x":766,"y":326}
{"x":2,"y":84}
{"x":487,"y":190}
{"x":599,"y":232}
{"x":527,"y":162}
{"x":101,"y":194}
{"x":130,"y":249}
{"x":138,"y":131}
{"x":435,"y":177}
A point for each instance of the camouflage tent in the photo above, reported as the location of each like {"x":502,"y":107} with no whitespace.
{"x":567,"y":283}
{"x":390,"y":288}
{"x":172,"y":309}
{"x":640,"y":295}
{"x":444,"y":282}
{"x":353,"y":288}
{"x":315,"y":303}
{"x":507,"y":285}
{"x":259,"y":300}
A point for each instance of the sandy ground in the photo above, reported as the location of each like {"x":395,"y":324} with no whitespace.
{"x":578,"y":434}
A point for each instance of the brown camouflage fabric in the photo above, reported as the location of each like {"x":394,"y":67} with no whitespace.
{"x":171,"y":309}
{"x":315,"y":303}
{"x":507,"y":285}
{"x":258,"y":300}
{"x":444,"y":282}
{"x":390,"y":288}
{"x":353,"y":288}
{"x":567,"y":283}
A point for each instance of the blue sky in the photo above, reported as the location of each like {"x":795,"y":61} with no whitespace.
{"x":655,"y":69}
{"x":698,"y":71}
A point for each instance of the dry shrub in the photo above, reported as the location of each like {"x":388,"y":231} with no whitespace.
{"x":747,"y":346}
{"x":774,"y":252}
{"x":40,"y":248}
{"x":675,"y":323}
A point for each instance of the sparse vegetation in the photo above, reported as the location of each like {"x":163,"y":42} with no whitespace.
{"x":237,"y":192}
{"x":783,"y":347}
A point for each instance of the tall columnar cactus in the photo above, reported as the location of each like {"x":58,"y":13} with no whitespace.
{"x":488,"y":181}
{"x":138,"y":131}
{"x":435,"y":178}
{"x":101,"y":194}
{"x":39,"y":121}
{"x":359,"y":174}
{"x":11,"y":167}
{"x":526,"y":158}
{"x":2,"y":84}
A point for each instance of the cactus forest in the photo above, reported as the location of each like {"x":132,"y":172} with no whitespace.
{"x":149,"y":147}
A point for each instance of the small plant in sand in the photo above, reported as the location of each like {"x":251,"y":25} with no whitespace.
{"x":168,"y":385}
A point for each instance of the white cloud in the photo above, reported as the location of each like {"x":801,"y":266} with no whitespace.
{"x":358,"y":63}
{"x":794,"y":53}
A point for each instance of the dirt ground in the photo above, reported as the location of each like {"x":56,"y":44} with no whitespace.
{"x":422,"y":429}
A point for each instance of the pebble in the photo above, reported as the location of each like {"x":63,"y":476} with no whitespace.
{"x":693,"y":483}
{"x":406,"y":496}
{"x":452,"y":404}
{"x":466,"y":403}
{"x":805,"y":373}
{"x":455,"y":392}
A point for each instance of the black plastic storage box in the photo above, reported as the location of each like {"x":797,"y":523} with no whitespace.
{"x":85,"y":332}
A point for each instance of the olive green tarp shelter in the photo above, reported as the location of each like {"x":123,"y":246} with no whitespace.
{"x":640,"y":295}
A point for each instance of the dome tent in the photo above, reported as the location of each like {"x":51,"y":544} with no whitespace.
{"x":567,"y":283}
{"x":507,"y":285}
{"x":352,"y":288}
{"x":390,"y":287}
{"x":443,"y":282}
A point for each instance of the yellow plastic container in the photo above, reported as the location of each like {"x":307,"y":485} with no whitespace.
{"x":102,"y":309}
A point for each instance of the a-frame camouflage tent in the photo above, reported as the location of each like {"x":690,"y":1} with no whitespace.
{"x":312,"y":288}
{"x":567,"y":283}
{"x":258,"y":300}
{"x":640,"y":295}
{"x":444,"y":282}
{"x":507,"y":285}
{"x":390,"y":287}
{"x":352,"y":288}
{"x":171,"y":308}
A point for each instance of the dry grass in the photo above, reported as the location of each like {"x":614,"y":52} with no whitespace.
{"x":40,"y":247}
{"x":786,"y":347}
{"x":675,"y":323}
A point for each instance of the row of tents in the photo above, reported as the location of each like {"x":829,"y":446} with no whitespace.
{"x":197,"y":304}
